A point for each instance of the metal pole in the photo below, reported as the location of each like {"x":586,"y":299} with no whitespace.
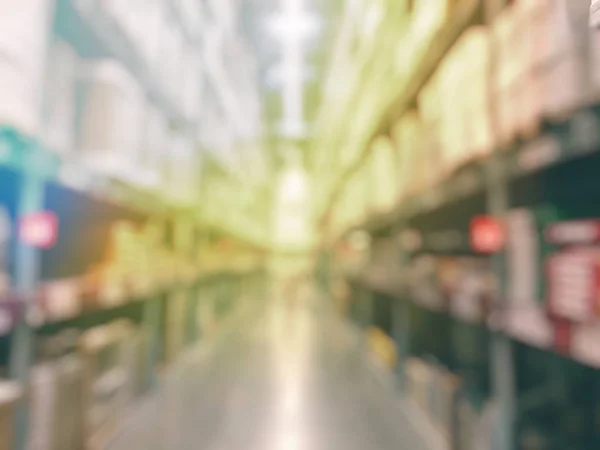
{"x":26,"y":279}
{"x":501,"y":351}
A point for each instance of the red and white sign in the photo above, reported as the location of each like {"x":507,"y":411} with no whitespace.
{"x":487,"y":234}
{"x":39,"y":229}
{"x":574,"y":284}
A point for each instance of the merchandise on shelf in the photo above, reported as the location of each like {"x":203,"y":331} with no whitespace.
{"x":414,"y":138}
{"x":433,"y":390}
{"x":171,"y":66}
{"x":142,"y":21}
{"x":154,"y":145}
{"x":191,"y":13}
{"x":24,"y":52}
{"x":383,"y":175}
{"x":10,"y":395}
{"x":181,"y":169}
{"x":175,"y":324}
{"x":190,"y":89}
{"x":573,"y":270}
{"x":109,"y":382}
{"x":464,"y":120}
{"x":110,"y":136}
{"x":58,"y":115}
{"x":382,"y":348}
{"x":56,"y":401}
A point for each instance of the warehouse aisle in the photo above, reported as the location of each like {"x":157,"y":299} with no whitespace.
{"x":291,"y":378}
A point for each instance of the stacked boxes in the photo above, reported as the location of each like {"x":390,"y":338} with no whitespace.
{"x":10,"y":394}
{"x":110,"y":134}
{"x":536,"y":62}
{"x":56,"y":395}
{"x":433,"y":389}
{"x":24,"y":52}
{"x":58,"y":131}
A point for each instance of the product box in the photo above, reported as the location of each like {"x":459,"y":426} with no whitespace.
{"x":476,"y":78}
{"x":43,"y":401}
{"x":141,"y":21}
{"x":155,"y":144}
{"x":419,"y":376}
{"x":506,"y":75}
{"x":192,"y":15}
{"x":383,"y":166}
{"x":190,"y":89}
{"x":172,"y":59}
{"x":566,"y":57}
{"x":10,"y":394}
{"x":112,"y":117}
{"x":23,"y":51}
{"x":407,"y":135}
{"x":58,"y":116}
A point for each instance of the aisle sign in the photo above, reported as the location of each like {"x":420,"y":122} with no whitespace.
{"x":487,"y":234}
{"x":39,"y":229}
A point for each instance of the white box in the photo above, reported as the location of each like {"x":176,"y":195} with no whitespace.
{"x":58,"y":128}
{"x":112,"y":117}
{"x":24,"y":30}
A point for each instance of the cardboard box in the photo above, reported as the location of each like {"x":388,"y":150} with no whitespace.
{"x":112,"y":117}
{"x":23,"y":61}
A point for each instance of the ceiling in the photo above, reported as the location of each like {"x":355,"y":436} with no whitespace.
{"x":270,"y":48}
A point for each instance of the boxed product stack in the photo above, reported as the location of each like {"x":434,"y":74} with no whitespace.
{"x":107,"y":380}
{"x":190,"y":88}
{"x":474,"y":57}
{"x":171,"y":67}
{"x":383,"y":172}
{"x":154,"y":144}
{"x":182,"y":168}
{"x":58,"y":114}
{"x":413,"y":138}
{"x":56,"y":395}
{"x":433,"y":389}
{"x":112,"y":118}
{"x":10,"y":394}
{"x":542,"y":49}
{"x":565,"y":56}
{"x":506,"y":76}
{"x":191,"y":14}
{"x":175,"y":324}
{"x":594,"y":62}
{"x":142,"y":22}
{"x":24,"y":51}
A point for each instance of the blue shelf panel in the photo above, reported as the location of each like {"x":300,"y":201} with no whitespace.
{"x":24,"y":155}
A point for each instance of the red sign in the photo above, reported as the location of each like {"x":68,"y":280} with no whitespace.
{"x":487,"y":234}
{"x":39,"y":229}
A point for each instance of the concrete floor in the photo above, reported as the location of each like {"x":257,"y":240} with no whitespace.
{"x":285,"y":377}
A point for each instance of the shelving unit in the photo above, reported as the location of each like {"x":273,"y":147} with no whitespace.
{"x":475,"y":270}
{"x":103,"y":250}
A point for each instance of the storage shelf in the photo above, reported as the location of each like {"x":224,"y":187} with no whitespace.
{"x":25,"y":155}
{"x":532,"y":326}
{"x":405,"y":95}
{"x":557,"y":144}
{"x":95,"y":33}
{"x":13,"y":311}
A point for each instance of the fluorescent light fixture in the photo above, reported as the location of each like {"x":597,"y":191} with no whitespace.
{"x":294,"y":25}
{"x":293,"y":129}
